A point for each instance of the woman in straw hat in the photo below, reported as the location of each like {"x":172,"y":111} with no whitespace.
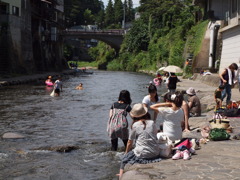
{"x":144,"y":133}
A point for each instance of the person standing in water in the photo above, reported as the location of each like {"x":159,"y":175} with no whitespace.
{"x":58,"y":86}
{"x":117,"y":123}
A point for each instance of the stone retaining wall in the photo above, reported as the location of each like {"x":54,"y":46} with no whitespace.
{"x":212,"y":80}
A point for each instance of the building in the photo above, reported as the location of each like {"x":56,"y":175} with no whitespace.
{"x":225,"y":24}
{"x":10,"y":35}
{"x":30,"y":38}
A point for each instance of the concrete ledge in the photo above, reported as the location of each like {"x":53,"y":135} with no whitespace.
{"x":212,"y":80}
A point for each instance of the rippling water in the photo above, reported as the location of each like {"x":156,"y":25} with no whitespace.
{"x":76,"y":118}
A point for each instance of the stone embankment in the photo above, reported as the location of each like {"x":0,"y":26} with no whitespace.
{"x":214,"y":160}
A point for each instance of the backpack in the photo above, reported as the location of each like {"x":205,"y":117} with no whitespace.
{"x":118,"y":124}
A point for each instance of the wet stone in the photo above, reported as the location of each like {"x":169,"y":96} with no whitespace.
{"x":11,"y":135}
{"x":61,"y":149}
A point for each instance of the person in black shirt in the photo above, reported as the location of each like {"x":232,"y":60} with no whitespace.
{"x":172,"y":83}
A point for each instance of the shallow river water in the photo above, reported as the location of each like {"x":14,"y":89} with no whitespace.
{"x":77,"y":118}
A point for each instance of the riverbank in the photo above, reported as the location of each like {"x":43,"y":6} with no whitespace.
{"x":215,"y":160}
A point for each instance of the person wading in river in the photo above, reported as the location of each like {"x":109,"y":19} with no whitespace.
{"x":117,"y":123}
{"x":58,"y":86}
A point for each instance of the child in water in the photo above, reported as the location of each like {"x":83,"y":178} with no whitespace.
{"x":49,"y":82}
{"x":79,"y":87}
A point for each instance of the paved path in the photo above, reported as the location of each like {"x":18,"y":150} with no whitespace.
{"x":215,"y":160}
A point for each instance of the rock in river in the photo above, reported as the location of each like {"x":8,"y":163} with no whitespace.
{"x":11,"y":135}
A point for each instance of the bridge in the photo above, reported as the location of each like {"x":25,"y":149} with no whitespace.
{"x":112,"y":37}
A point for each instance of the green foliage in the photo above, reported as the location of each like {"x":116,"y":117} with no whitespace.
{"x":109,"y":17}
{"x":88,"y":16}
{"x":118,"y":12}
{"x":165,"y":25}
{"x":75,"y":11}
{"x":195,"y":37}
{"x":68,"y":52}
{"x":129,"y":11}
{"x":102,"y":54}
{"x":84,"y":63}
{"x":156,"y":39}
{"x":137,"y":38}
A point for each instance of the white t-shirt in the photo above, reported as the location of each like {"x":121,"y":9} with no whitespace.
{"x":58,"y":84}
{"x":172,"y":122}
{"x":146,"y":145}
{"x":146,"y":100}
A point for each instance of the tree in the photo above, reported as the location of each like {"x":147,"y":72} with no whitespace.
{"x":100,"y":19}
{"x":75,"y":9}
{"x":118,"y":11}
{"x":109,"y":17}
{"x":137,"y":38}
{"x":89,"y":18}
{"x":129,"y":11}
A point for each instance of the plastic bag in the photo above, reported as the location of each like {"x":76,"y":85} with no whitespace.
{"x":217,"y":134}
{"x":52,"y":93}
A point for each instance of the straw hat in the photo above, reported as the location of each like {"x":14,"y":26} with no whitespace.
{"x":138,"y":110}
{"x":191,"y":91}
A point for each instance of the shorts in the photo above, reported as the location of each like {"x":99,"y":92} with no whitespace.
{"x":57,"y":91}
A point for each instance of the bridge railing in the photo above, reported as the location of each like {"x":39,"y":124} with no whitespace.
{"x":95,"y":31}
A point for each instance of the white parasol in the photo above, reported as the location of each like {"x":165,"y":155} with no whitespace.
{"x":161,"y":68}
{"x":173,"y":69}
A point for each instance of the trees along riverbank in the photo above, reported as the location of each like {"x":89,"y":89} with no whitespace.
{"x":165,"y":33}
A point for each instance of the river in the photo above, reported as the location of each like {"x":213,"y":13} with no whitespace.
{"x":77,"y":118}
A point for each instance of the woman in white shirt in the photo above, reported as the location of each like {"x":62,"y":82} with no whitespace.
{"x":172,"y":114}
{"x":151,"y":99}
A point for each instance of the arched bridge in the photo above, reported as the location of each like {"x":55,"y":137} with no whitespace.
{"x":112,"y":37}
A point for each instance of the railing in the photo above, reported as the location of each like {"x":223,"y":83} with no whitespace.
{"x":96,"y":31}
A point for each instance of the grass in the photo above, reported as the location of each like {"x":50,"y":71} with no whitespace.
{"x":84,"y":63}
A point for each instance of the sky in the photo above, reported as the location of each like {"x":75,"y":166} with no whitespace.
{"x":135,"y":2}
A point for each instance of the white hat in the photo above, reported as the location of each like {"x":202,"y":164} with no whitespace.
{"x":191,"y":91}
{"x":138,"y":110}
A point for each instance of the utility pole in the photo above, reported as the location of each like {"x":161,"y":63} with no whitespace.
{"x":124,"y":18}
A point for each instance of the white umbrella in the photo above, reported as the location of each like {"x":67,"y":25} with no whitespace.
{"x":160,"y":69}
{"x":173,"y":69}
